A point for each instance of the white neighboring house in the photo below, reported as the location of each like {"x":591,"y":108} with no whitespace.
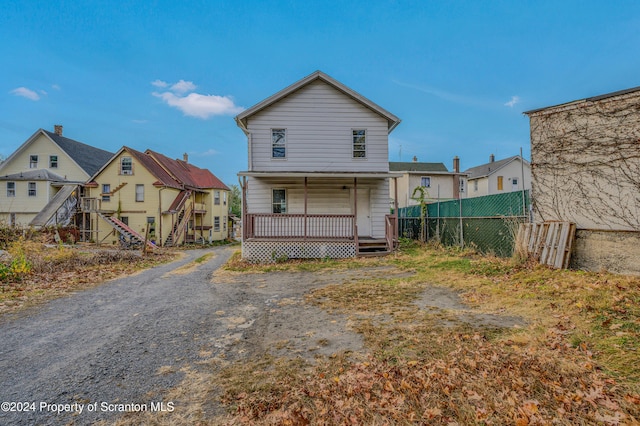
{"x":497,"y":177}
{"x":437,"y":182}
{"x":317,"y":183}
{"x":40,"y":181}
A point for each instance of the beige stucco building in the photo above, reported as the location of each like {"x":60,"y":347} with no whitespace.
{"x":586,"y":169}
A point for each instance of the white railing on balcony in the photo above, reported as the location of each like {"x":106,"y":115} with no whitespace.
{"x":288,"y":226}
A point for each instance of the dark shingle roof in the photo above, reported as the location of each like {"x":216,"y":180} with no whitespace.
{"x":89,"y":158}
{"x":410,"y":166}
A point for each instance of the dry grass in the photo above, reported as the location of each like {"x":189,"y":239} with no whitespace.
{"x":576,"y":362}
{"x":58,"y":270}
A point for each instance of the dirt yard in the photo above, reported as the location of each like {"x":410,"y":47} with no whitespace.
{"x":419,"y":337}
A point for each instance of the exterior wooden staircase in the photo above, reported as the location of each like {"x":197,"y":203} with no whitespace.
{"x":128,"y":237}
{"x":179,"y":227}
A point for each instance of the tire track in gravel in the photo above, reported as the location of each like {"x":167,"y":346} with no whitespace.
{"x":122,"y":342}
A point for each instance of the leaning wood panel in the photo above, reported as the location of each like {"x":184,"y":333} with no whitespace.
{"x":549,"y":243}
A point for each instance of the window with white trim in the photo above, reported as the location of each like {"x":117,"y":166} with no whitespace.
{"x":425,"y":181}
{"x":106,"y":192}
{"x":216,"y":198}
{"x":126,"y":166}
{"x":32,"y":189}
{"x":278,"y":143}
{"x":279,"y":201}
{"x":11,"y":189}
{"x":224,"y":198}
{"x":53,"y":161}
{"x":33,"y":161}
{"x":224,"y":223}
{"x":216,"y":223}
{"x":359,"y":143}
{"x":139,"y":193}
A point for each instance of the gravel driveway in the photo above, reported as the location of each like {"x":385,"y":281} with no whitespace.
{"x":121,"y":347}
{"x":119,"y":343}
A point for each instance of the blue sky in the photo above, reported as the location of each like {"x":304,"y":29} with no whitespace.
{"x":171,"y":75}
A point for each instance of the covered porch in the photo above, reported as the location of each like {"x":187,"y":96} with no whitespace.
{"x":314,"y":215}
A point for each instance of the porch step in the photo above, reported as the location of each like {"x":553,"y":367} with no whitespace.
{"x":372,"y":247}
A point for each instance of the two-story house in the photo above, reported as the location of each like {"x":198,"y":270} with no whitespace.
{"x":432,"y":179}
{"x":42,"y":180}
{"x":498,"y":177}
{"x":174,"y":200}
{"x":317,"y":183}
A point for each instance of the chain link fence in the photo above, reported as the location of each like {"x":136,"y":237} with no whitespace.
{"x":488,"y":224}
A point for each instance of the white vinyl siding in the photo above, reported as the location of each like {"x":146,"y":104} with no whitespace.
{"x":324,"y":196}
{"x":319,"y":122}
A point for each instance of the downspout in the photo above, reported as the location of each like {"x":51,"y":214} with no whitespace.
{"x":250,"y":147}
{"x":160,"y":240}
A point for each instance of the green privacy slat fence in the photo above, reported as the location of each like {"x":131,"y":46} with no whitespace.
{"x":487,"y":224}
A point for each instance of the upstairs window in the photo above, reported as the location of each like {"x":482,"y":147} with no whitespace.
{"x":278,"y":143}
{"x":475,"y":185}
{"x":33,"y":161}
{"x":279,"y":201}
{"x":53,"y":161}
{"x":359,"y":143}
{"x":216,"y":198}
{"x":224,"y":198}
{"x":32,"y":189}
{"x":425,"y":181}
{"x":11,"y":189}
{"x":500,"y":183}
{"x":126,"y":166}
{"x":106,"y":192}
{"x":139,"y":193}
{"x":216,"y":223}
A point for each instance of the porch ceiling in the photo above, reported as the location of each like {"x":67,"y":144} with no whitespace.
{"x":375,"y":175}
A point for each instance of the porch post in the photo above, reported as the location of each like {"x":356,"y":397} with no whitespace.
{"x":245,"y":222}
{"x":355,"y":207}
{"x":305,"y":207}
{"x":395,"y":210}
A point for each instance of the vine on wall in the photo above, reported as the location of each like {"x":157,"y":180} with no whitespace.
{"x":586,"y":163}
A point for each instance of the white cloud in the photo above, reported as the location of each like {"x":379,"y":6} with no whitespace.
{"x":182,"y":87}
{"x":159,"y":83}
{"x":514,"y":100}
{"x":55,"y":87}
{"x":207,"y":153}
{"x":201,"y":106}
{"x":25,"y":93}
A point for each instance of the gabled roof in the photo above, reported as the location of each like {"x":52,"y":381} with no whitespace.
{"x":241,"y":119}
{"x":585,"y":100}
{"x":414,"y":166}
{"x":41,"y":174}
{"x":188,"y":174}
{"x":87,"y":157}
{"x":489,"y":168}
{"x":171,"y":173}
